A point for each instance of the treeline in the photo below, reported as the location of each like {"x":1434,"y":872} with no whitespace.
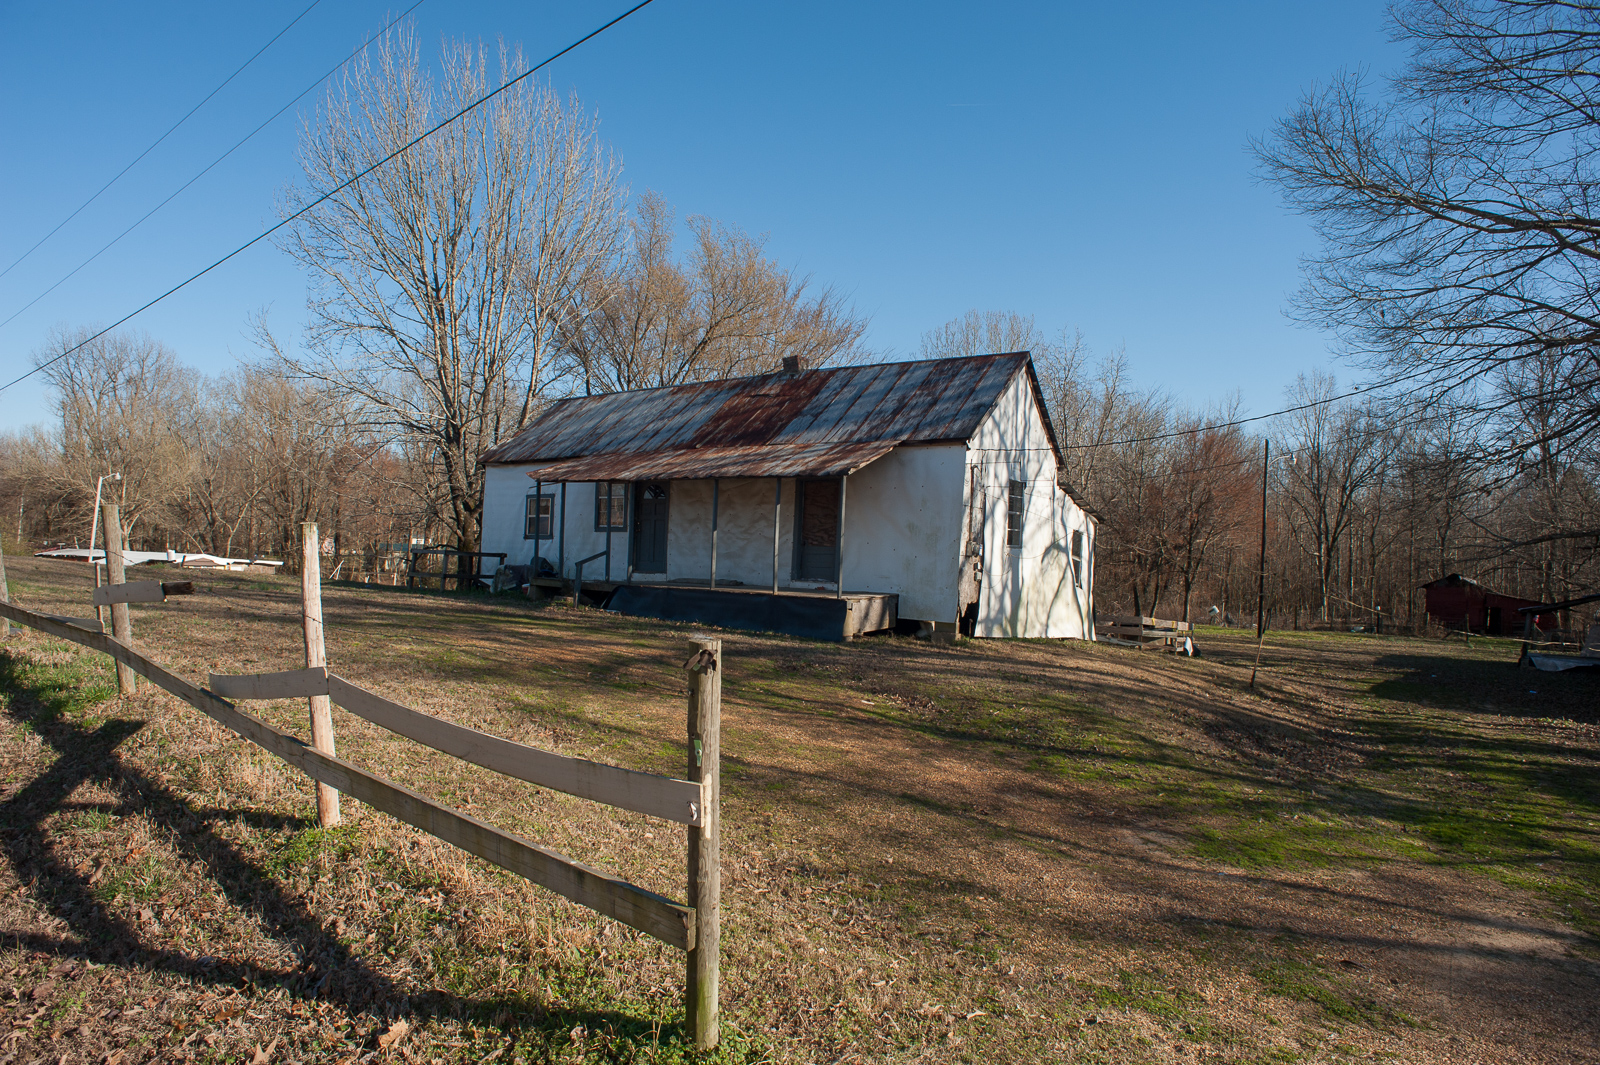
{"x":1366,"y":499}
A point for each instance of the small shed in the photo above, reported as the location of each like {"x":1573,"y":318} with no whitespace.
{"x":1461,"y":603}
{"x":825,"y":503}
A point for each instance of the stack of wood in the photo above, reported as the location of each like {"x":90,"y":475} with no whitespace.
{"x":1143,"y":632}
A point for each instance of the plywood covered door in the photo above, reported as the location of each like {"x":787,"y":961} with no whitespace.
{"x":817,"y":531}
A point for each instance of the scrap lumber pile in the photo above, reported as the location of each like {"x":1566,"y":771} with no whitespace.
{"x":1143,"y":632}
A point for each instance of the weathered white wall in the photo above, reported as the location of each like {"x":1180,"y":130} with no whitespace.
{"x":1028,"y":591}
{"x":902,"y":529}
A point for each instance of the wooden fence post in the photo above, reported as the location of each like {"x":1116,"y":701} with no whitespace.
{"x":705,"y":841}
{"x":5,"y":592}
{"x":317,"y":655}
{"x":116,"y":573}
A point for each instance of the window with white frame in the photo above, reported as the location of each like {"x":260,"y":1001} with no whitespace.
{"x":1016,"y":512}
{"x":539,"y":518}
{"x":1077,"y":557}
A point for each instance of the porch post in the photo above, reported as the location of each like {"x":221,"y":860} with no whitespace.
{"x":716,"y":486}
{"x":838,"y":543}
{"x":777,"y":505}
{"x":561,"y":537}
{"x":610,"y":521}
{"x":538,"y":515}
{"x":627,"y":529}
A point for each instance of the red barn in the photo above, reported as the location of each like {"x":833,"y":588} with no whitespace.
{"x":1458,"y":602}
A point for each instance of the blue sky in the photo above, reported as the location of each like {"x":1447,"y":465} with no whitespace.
{"x":1085,"y":163}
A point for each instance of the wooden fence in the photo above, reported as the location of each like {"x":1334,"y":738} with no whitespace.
{"x":693,"y":927}
{"x":1143,"y":632}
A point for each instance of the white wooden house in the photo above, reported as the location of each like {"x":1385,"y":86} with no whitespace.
{"x":819,"y":502}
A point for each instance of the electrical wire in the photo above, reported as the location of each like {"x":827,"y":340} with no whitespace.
{"x":158,"y":140}
{"x":213,"y":164}
{"x":252,"y":242}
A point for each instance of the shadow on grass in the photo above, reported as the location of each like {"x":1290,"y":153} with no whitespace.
{"x":42,"y":701}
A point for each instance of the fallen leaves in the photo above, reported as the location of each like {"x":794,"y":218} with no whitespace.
{"x":397,"y":1031}
{"x":261,"y":1057}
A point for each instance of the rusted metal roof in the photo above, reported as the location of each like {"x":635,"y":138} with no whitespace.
{"x":703,"y":463}
{"x":796,"y":424}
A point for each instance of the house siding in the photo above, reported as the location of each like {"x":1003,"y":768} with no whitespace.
{"x":1029,"y":590}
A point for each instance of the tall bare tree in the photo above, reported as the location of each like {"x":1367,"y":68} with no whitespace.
{"x":723,"y":310}
{"x":122,"y":403}
{"x":440,"y":278}
{"x":1337,"y":450}
{"x":1459,"y":212}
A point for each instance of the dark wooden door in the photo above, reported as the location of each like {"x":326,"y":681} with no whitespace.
{"x":650,"y":527}
{"x":817,"y":535}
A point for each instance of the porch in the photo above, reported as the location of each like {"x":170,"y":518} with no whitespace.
{"x":810,"y":614}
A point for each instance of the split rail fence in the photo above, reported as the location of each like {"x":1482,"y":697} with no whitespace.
{"x":693,"y":927}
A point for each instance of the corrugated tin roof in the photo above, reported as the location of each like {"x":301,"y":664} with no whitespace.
{"x":703,"y":463}
{"x":759,"y":424}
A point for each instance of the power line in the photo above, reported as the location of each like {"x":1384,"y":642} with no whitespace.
{"x":212,"y":165}
{"x":333,"y":192}
{"x":157,"y":141}
{"x":1253,"y":418}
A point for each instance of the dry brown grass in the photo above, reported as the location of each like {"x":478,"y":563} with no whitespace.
{"x":996,"y":851}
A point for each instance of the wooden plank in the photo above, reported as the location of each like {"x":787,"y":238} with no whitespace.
{"x":646,"y":793}
{"x":5,"y":594}
{"x":1150,"y":623}
{"x":90,"y":624}
{"x":650,"y":913}
{"x":320,"y":708}
{"x":121,"y":625}
{"x":705,"y":842}
{"x":290,"y":684}
{"x":133,"y":592}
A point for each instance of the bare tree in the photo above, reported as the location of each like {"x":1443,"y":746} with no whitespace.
{"x":1459,"y":214}
{"x":441,"y":277}
{"x":122,"y":402}
{"x":724,"y":310}
{"x":1336,"y":450}
{"x":982,"y":333}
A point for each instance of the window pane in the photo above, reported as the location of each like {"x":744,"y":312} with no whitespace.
{"x":610,"y":505}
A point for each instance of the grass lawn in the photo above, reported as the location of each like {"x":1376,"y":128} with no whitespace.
{"x":997,"y":851}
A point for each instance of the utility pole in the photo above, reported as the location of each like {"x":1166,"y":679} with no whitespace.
{"x":1261,"y":577}
{"x":1261,"y":574}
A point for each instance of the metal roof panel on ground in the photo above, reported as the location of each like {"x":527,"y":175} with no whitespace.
{"x":904,"y":402}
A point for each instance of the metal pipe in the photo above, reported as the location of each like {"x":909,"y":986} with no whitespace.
{"x":838,"y":544}
{"x":716,"y":487}
{"x":777,"y":506}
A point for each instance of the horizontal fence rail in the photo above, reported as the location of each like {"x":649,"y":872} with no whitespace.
{"x":140,"y":592}
{"x":647,"y":793}
{"x":653,"y":914}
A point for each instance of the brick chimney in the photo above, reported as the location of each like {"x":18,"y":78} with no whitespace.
{"x":791,"y":364}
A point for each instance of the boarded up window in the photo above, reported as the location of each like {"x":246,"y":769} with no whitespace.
{"x":975,"y":515}
{"x":1016,"y":511}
